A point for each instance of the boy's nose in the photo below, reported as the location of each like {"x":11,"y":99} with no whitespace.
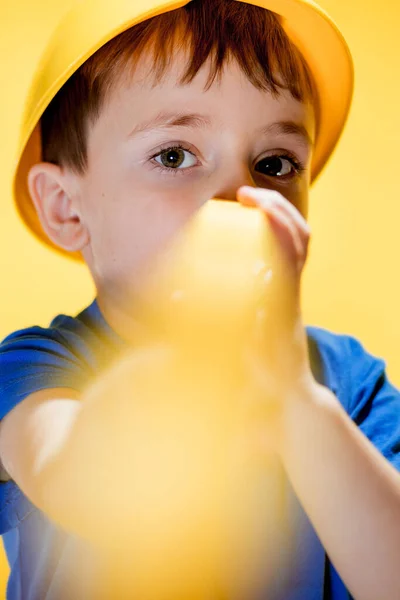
{"x":236,"y":178}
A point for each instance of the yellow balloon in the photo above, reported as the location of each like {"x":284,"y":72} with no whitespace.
{"x":199,"y":507}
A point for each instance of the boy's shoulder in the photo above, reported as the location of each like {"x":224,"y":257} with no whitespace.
{"x":68,"y":353}
{"x":65,"y":329}
{"x":342,"y":363}
{"x":66,"y":335}
{"x":359,"y":381}
{"x":336,"y":344}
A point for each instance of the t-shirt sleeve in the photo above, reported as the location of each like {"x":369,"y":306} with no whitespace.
{"x":31,"y":360}
{"x":36,"y":359}
{"x":360,"y":382}
{"x":374,"y":401}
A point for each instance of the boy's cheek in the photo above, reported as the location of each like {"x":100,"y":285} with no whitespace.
{"x":126,"y":241}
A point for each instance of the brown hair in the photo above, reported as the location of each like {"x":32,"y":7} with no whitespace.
{"x":216,"y":29}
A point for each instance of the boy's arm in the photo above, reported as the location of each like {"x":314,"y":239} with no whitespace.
{"x":43,"y":375}
{"x":350,"y":492}
{"x":34,"y":433}
{"x":57,"y":450}
{"x":73,"y":455}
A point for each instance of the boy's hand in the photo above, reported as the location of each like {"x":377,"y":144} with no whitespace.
{"x":279,"y":365}
{"x":286,"y":221}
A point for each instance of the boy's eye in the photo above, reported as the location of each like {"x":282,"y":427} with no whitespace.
{"x":278,"y":166}
{"x":175,"y":158}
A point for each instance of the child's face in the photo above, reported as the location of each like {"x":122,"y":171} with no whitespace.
{"x":134,"y":196}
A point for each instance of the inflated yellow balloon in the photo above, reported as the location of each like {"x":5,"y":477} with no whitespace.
{"x":199,"y":508}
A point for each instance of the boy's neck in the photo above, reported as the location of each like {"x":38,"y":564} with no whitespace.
{"x":121,"y":321}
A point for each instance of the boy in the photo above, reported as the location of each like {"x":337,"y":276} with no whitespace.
{"x":130,"y":150}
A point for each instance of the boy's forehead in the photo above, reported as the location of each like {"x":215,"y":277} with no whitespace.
{"x":165,"y":103}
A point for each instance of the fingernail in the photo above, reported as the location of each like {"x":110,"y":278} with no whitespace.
{"x":247,"y":189}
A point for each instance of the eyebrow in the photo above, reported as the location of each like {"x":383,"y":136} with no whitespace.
{"x":171,"y":120}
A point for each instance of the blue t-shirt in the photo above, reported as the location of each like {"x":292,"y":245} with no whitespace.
{"x":44,"y":561}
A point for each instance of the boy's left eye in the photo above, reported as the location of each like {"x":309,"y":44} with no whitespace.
{"x":278,"y":166}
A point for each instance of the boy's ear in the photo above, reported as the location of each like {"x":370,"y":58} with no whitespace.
{"x":57,"y":207}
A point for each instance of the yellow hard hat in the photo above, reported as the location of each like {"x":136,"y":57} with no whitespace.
{"x":89,"y":24}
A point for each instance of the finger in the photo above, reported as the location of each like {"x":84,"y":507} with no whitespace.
{"x":291,"y":253}
{"x":290,"y":238}
{"x":263,"y":198}
{"x":256,"y":196}
{"x":301,"y":227}
{"x":293,"y":241}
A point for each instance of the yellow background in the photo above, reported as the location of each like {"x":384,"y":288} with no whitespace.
{"x":351,"y":282}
